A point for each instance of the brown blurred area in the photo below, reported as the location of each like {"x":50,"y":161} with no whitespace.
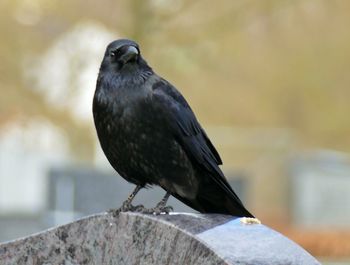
{"x":321,"y":243}
{"x":269,"y":80}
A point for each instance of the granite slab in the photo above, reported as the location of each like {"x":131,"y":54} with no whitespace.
{"x":134,"y":238}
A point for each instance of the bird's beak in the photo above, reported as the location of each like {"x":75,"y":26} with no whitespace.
{"x":130,"y":54}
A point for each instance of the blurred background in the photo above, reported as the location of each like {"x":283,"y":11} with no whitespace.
{"x":268,"y":80}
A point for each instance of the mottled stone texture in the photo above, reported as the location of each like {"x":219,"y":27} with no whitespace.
{"x":133,"y":238}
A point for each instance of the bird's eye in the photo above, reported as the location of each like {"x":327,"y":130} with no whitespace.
{"x":115,"y":53}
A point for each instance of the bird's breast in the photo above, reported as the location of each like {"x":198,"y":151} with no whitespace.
{"x":139,"y":145}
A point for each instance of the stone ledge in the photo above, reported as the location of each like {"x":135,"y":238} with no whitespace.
{"x":133,"y":238}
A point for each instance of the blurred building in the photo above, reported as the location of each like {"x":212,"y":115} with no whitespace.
{"x":27,"y":152}
{"x":320,"y":185}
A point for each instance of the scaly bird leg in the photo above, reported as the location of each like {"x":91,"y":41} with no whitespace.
{"x":127,"y":206}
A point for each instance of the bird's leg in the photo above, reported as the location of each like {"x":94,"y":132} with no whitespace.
{"x":127,"y":206}
{"x":160,"y":207}
{"x":162,"y":204}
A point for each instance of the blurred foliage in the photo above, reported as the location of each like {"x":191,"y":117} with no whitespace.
{"x":274,"y":63}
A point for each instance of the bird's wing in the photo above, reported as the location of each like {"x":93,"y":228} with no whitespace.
{"x":188,"y":132}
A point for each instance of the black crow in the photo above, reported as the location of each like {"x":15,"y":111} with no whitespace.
{"x":151,"y":136}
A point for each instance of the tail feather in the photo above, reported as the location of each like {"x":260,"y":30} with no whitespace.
{"x":211,"y":198}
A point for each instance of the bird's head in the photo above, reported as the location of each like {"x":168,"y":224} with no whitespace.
{"x":122,"y":55}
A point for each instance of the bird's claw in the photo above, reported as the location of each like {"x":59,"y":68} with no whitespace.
{"x":126,"y":207}
{"x":158,"y":210}
{"x":139,"y":208}
{"x":164,"y":210}
{"x":114,"y":212}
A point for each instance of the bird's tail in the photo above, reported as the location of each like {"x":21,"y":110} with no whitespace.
{"x":212,"y":198}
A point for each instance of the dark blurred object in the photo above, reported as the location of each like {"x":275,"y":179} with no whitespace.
{"x":76,"y":192}
{"x":15,"y":226}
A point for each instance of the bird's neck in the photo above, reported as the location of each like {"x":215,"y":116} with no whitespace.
{"x":112,"y":85}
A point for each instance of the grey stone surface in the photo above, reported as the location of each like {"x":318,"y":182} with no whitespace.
{"x":133,"y":238}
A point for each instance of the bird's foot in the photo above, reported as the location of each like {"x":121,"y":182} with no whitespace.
{"x":162,"y":210}
{"x":114,"y":212}
{"x":126,"y":207}
{"x":157,"y":210}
